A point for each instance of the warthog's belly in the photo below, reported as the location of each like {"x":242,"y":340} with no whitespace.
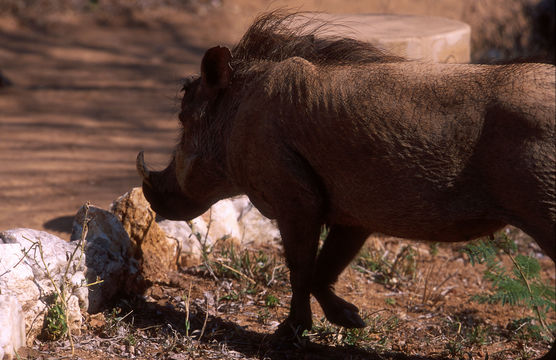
{"x":435,"y":227}
{"x":465,"y":230}
{"x":447,"y":232}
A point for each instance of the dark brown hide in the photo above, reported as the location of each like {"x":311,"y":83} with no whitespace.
{"x":319,"y":130}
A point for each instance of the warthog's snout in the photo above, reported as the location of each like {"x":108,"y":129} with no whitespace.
{"x":162,"y":191}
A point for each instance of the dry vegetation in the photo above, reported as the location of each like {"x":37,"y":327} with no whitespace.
{"x":416,"y":297}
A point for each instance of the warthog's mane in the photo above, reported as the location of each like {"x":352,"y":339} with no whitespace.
{"x":279,"y":35}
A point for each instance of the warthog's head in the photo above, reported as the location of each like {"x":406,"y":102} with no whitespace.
{"x":195,"y":177}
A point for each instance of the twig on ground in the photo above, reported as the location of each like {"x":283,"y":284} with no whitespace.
{"x":205,"y":322}
{"x":187,"y":312}
{"x":238,"y":272}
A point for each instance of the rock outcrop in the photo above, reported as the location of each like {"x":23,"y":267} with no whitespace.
{"x":12,"y":332}
{"x":155,"y":252}
{"x":109,"y":253}
{"x":34,"y":265}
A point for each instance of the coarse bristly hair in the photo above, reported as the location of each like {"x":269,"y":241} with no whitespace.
{"x":278,"y":35}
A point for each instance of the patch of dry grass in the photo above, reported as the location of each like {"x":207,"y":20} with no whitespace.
{"x":233,"y":316}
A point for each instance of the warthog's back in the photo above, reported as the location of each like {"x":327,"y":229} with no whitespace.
{"x":402,"y":146}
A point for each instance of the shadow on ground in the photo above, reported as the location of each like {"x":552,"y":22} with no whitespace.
{"x":250,"y":343}
{"x":61,"y":224}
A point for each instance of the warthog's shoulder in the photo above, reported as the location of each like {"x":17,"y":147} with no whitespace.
{"x":294,"y":67}
{"x":290,"y":77}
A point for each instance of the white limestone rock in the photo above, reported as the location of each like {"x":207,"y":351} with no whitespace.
{"x":12,"y":326}
{"x":235,"y":220}
{"x":25,"y":256}
{"x":107,"y":250}
{"x":256,"y":229}
{"x":190,"y":239}
{"x":223,"y":217}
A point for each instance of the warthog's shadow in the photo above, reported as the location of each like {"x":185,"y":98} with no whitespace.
{"x":249,"y":343}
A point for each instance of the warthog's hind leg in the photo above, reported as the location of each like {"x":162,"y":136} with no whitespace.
{"x":339,"y":249}
{"x":543,"y":233}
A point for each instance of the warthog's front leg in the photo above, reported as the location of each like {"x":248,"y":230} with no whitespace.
{"x":297,"y":203}
{"x":340,"y":247}
{"x":300,"y":237}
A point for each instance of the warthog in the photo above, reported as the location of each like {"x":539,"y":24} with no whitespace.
{"x":325,"y":130}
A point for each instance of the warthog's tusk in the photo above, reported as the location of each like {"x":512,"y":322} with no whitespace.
{"x":142,"y":169}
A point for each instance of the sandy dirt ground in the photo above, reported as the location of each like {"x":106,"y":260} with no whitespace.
{"x":85,"y":100}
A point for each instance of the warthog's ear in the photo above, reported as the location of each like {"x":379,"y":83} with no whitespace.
{"x":216,"y":71}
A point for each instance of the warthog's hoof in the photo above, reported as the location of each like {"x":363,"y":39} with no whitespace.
{"x":349,"y":319}
{"x":340,"y":312}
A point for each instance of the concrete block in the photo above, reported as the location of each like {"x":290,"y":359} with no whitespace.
{"x":424,"y":38}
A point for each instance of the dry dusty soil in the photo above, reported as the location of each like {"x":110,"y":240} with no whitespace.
{"x":96,"y":82}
